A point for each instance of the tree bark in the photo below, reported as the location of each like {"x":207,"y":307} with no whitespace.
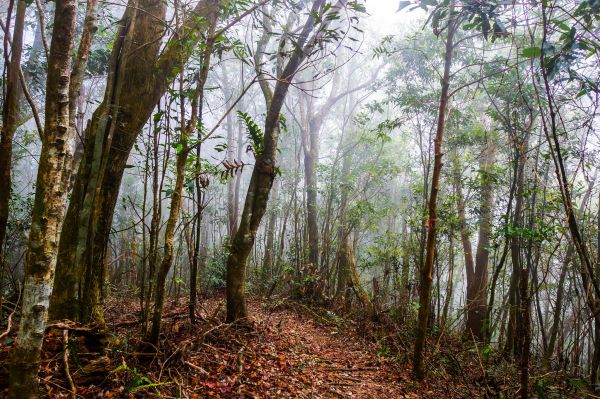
{"x":176,"y":196}
{"x":263,"y":175}
{"x":514,"y":302}
{"x":426,"y":271}
{"x":10,"y":120}
{"x":134,"y":75}
{"x":270,"y":239}
{"x":477,"y":308}
{"x":49,"y":206}
{"x":77,"y":77}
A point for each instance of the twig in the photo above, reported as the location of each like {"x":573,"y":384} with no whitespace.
{"x":175,"y":315}
{"x":73,"y":394}
{"x":42,"y":16}
{"x":25,"y":87}
{"x":162,"y":366}
{"x":10,"y":316}
{"x":478,"y":354}
{"x":34,"y":110}
{"x":197,"y":368}
{"x":8,"y":327}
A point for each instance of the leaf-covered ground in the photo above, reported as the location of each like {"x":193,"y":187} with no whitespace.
{"x":287,"y":350}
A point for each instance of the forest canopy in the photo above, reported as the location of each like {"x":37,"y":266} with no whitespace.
{"x":268,"y":182}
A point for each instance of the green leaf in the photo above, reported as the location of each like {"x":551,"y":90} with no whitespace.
{"x":255,"y":134}
{"x":531,"y":52}
{"x":356,"y":6}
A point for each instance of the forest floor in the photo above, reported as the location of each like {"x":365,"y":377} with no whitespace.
{"x":287,"y":350}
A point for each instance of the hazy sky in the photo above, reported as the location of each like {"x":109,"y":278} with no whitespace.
{"x":386,"y":20}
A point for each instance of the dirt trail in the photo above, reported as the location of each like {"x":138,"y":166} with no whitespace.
{"x":289,"y":352}
{"x":286,"y":351}
{"x":329,"y":362}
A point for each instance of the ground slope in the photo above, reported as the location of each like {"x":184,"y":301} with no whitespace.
{"x":286,"y":350}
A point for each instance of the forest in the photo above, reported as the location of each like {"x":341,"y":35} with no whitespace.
{"x":300,"y":199}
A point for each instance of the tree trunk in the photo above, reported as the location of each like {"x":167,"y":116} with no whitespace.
{"x":561,"y":288}
{"x":177,"y":194}
{"x":426,"y":272}
{"x":76,"y":88}
{"x":549,"y":126}
{"x":405,"y":287}
{"x":49,"y":206}
{"x":311,"y":156}
{"x":342,"y":261}
{"x":270,"y":239}
{"x":465,"y":239}
{"x":167,"y":260}
{"x":134,"y":75}
{"x":514,"y":301}
{"x":449,"y":285}
{"x":263,"y":175}
{"x":477,"y":309}
{"x":10,"y":120}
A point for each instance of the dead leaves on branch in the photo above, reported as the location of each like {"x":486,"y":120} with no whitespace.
{"x":232,"y":168}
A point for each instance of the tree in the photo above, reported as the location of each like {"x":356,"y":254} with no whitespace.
{"x":313,"y":33}
{"x":113,"y":130}
{"x":426,"y":271}
{"x":10,"y":118}
{"x":184,"y":149}
{"x":49,"y":206}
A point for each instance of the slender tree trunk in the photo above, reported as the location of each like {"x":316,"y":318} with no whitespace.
{"x":263,"y":175}
{"x":76,"y":88}
{"x":177,"y":194}
{"x":514,"y":302}
{"x":49,"y":206}
{"x":587,"y":273}
{"x":167,"y":260}
{"x":560,"y":289}
{"x":524,"y":338}
{"x":477,"y":310}
{"x":270,"y":239}
{"x":10,"y":120}
{"x":405,"y":287}
{"x":466,"y":242}
{"x":426,"y":272}
{"x":311,"y":155}
{"x":343,"y":264}
{"x":231,"y":206}
{"x":596,"y":356}
{"x":449,"y":286}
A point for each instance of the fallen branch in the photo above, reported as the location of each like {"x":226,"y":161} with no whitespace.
{"x":137,"y":321}
{"x":68,"y":325}
{"x":73,"y":394}
{"x":197,"y":368}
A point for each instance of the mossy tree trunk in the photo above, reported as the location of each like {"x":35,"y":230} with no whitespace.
{"x":264,"y":172}
{"x":49,"y":206}
{"x":133,"y":75}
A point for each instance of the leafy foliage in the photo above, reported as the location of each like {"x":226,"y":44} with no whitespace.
{"x":255,"y":134}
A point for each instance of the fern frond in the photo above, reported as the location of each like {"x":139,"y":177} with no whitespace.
{"x":255,"y":134}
